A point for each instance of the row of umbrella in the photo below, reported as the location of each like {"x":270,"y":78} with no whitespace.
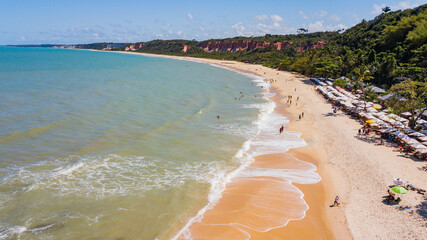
{"x":389,"y":122}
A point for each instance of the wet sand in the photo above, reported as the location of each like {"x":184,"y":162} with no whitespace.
{"x":356,"y":170}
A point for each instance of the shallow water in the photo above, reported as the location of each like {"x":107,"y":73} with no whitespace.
{"x":108,"y":145}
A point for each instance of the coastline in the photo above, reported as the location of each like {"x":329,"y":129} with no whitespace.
{"x":356,"y":170}
{"x":315,"y":195}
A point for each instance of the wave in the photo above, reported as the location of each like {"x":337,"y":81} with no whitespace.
{"x":103,"y":176}
{"x":266,"y":140}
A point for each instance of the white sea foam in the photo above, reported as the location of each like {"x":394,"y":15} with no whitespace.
{"x":102,"y":176}
{"x":9,"y":232}
{"x":267,"y":140}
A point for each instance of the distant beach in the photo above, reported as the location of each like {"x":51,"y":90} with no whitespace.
{"x":357,"y":171}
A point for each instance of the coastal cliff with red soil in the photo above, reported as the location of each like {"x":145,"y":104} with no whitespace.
{"x":239,"y":45}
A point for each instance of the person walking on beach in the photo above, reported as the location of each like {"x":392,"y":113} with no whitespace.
{"x":281,"y":129}
{"x":302,"y":114}
{"x":336,"y":203}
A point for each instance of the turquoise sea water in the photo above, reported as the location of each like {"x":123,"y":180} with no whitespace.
{"x":100,"y":145}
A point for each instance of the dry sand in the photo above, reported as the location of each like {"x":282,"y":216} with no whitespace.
{"x":352,"y":167}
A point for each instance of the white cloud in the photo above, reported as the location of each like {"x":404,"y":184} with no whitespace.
{"x":303,"y":14}
{"x":320,"y":27}
{"x":276,"y":18}
{"x":190,"y":16}
{"x":335,"y":18}
{"x":239,"y":28}
{"x":399,"y":6}
{"x":179,"y":33}
{"x":264,"y":17}
{"x":406,"y":4}
{"x":377,"y":9}
{"x":261,"y":17}
{"x":321,"y":14}
{"x":267,"y":24}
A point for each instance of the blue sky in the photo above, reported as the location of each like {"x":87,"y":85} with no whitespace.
{"x":86,"y":21}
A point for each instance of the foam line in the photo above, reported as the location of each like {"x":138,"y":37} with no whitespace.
{"x":266,"y":141}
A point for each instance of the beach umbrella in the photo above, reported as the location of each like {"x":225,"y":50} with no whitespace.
{"x":377,"y":106}
{"x":399,"y":189}
{"x":370,"y":121}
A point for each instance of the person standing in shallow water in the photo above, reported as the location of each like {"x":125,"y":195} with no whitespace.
{"x":281,"y":129}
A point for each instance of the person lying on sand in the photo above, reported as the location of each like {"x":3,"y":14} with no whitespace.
{"x":413,"y":188}
{"x":404,"y":207}
{"x":404,"y":154}
{"x":399,"y":149}
{"x":391,"y":199}
{"x":381,"y":142}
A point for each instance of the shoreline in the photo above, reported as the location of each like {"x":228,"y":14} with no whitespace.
{"x":314,"y":218}
{"x":356,"y":170}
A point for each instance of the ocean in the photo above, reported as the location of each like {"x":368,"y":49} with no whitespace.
{"x":109,"y":145}
{"x":105,"y":145}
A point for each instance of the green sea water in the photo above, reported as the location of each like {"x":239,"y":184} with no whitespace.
{"x":100,"y":145}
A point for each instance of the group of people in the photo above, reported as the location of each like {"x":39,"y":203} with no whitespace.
{"x":365,"y":130}
{"x":391,"y":198}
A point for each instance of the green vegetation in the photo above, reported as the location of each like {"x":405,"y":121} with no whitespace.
{"x":392,"y":47}
{"x":414,"y":99}
{"x":390,"y":51}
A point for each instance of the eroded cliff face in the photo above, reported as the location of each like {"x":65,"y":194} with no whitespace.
{"x":318,"y":44}
{"x":234,"y":46}
{"x":135,"y":47}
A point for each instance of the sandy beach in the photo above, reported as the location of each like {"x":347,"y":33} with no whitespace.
{"x":356,"y":170}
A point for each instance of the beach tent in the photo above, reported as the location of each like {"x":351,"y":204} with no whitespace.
{"x":408,"y":130}
{"x":406,"y":114}
{"x":376,"y":89}
{"x":422,"y":151}
{"x":386,"y":97}
{"x":389,"y":130}
{"x":422,"y":139}
{"x":344,"y":78}
{"x":410,"y":141}
{"x":416,"y":134}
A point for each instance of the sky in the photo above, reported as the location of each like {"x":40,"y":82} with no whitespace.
{"x":88,"y":21}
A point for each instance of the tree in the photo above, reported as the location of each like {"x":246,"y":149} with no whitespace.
{"x":414,"y":99}
{"x":361,"y":75}
{"x":302,"y":30}
{"x":386,"y":9}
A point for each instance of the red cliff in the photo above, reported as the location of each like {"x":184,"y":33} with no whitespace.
{"x":234,"y":46}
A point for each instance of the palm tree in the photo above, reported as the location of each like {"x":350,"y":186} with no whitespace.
{"x":386,"y":9}
{"x":360,"y":75}
{"x":302,"y":30}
